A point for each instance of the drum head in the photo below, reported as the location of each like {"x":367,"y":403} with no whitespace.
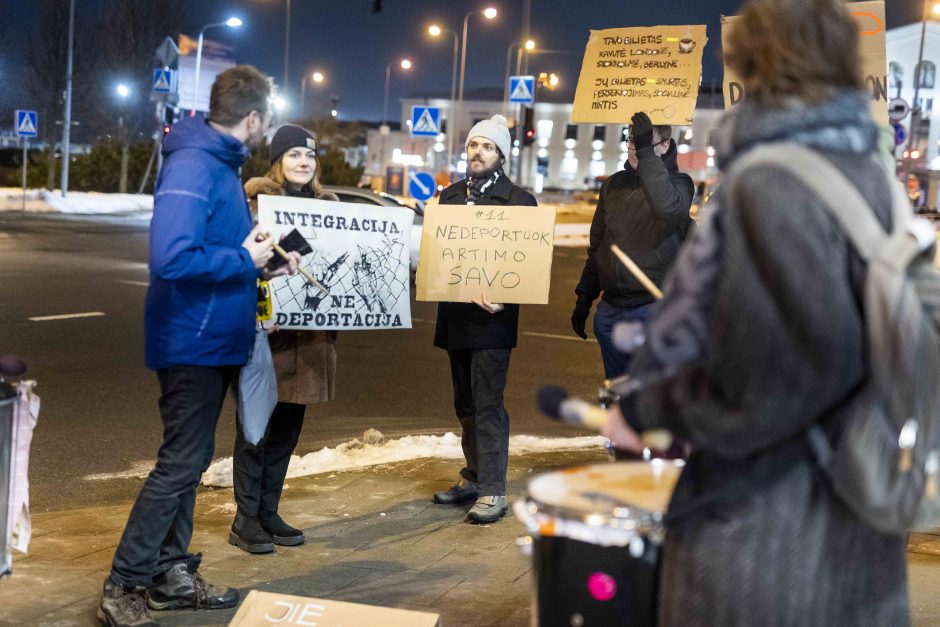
{"x":598,"y":492}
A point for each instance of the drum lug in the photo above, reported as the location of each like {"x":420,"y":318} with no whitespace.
{"x":524,"y":543}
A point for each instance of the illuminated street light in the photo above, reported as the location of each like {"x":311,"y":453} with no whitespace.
{"x":489,"y":13}
{"x":530,"y":45}
{"x":434,"y":30}
{"x":232,"y":22}
{"x":123,"y":91}
{"x":317,"y":77}
{"x":405,"y":65}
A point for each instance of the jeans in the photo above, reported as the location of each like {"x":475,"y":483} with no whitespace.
{"x":259,"y":471}
{"x":616,"y":362}
{"x":479,"y":378}
{"x":160,"y":526}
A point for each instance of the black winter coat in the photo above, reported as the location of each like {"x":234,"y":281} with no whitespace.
{"x":463,"y":326}
{"x":646,"y":213}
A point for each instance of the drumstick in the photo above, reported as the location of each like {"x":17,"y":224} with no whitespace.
{"x":310,"y":278}
{"x":638,"y":274}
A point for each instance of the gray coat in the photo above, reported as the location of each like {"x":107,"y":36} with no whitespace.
{"x":783,"y":349}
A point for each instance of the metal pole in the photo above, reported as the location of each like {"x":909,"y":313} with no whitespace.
{"x":526,"y":21}
{"x":67,"y":126}
{"x":25,"y":163}
{"x":451,"y":126}
{"x":122,"y":183}
{"x":286,"y":47}
{"x":303,"y":97}
{"x":463,"y":66}
{"x":506,"y":80}
{"x":918,"y":69}
{"x":196,"y":80}
{"x":388,"y":76}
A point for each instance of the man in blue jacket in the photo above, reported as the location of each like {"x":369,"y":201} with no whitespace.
{"x":199,"y":325}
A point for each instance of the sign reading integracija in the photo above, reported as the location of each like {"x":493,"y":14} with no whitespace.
{"x":360,"y":253}
{"x":870,"y":17}
{"x":470,"y":250}
{"x":651,"y":69}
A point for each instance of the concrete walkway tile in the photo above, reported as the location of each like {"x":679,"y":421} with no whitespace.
{"x":493,"y":589}
{"x":505,"y":567}
{"x":408,"y":588}
{"x":495,"y":537}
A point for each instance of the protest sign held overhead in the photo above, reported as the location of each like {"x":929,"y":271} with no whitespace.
{"x":652,"y":69}
{"x":360,"y":254}
{"x":870,"y":17}
{"x":505,"y":252}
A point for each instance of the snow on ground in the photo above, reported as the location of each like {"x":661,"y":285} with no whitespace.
{"x":572,"y":235}
{"x":79,"y":203}
{"x":355,"y":454}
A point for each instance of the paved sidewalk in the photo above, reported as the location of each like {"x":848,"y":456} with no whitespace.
{"x":373,"y":537}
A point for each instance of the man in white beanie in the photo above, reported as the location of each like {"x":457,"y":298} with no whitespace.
{"x":479,"y":338}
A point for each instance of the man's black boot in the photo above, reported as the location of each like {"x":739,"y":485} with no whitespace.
{"x":282,"y":533}
{"x":123,"y":607}
{"x":182,"y":587}
{"x":248,"y":535}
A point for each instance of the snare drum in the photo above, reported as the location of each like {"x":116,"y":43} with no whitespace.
{"x":596,"y":536}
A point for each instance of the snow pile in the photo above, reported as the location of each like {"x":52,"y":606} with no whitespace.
{"x":83,"y":203}
{"x":94,"y":202}
{"x":572,"y":235}
{"x":355,"y":454}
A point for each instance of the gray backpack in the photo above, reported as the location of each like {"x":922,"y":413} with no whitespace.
{"x":885,"y":464}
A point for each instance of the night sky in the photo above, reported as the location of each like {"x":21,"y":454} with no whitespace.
{"x":352,"y":45}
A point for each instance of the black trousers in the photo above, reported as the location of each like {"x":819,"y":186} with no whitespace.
{"x":479,"y":378}
{"x":160,"y":526}
{"x":259,"y":471}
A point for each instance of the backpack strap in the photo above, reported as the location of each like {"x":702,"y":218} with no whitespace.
{"x":836,"y":192}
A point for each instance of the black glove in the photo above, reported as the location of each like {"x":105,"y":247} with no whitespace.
{"x":579,"y":318}
{"x":641,"y":130}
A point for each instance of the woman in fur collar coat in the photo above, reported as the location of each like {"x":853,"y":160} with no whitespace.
{"x":305,"y":363}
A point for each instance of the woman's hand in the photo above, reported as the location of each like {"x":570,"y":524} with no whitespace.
{"x":486,"y":305}
{"x":620,"y":433}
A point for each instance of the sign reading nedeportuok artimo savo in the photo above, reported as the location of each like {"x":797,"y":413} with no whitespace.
{"x":471,"y":250}
{"x":360,"y":253}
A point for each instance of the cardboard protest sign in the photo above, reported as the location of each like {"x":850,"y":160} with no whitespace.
{"x":467,"y":250}
{"x":653,"y":69}
{"x":269,"y":608}
{"x":870,"y":17}
{"x":360,"y":253}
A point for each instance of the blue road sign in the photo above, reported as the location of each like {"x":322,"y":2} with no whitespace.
{"x":426,"y":121}
{"x":521,"y":89}
{"x":164,"y":81}
{"x":900,"y":133}
{"x":25,"y":123}
{"x":421,"y":185}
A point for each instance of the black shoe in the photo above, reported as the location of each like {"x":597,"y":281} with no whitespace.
{"x":459,"y":494}
{"x":282,"y":533}
{"x":183,"y":587}
{"x":123,"y":607}
{"x":248,"y":535}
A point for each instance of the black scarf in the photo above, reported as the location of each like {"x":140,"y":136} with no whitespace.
{"x":303,"y":192}
{"x":477,"y":187}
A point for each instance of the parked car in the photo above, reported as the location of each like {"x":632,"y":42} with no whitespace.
{"x":368,"y":197}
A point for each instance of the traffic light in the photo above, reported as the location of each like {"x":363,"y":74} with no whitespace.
{"x":528,"y":126}
{"x":168,"y":119}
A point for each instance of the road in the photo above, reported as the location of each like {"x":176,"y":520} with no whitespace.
{"x":99,"y":404}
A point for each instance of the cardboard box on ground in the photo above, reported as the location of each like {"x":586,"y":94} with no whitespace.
{"x":268,"y":608}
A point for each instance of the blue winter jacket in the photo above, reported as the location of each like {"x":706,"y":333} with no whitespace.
{"x":201,"y":303}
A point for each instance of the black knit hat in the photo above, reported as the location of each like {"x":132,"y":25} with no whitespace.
{"x":290,"y":136}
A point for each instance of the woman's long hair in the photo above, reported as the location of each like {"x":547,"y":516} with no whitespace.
{"x":805,"y":49}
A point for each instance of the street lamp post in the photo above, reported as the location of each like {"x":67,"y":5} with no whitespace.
{"x":405,"y":65}
{"x":489,"y":14}
{"x":287,"y":48}
{"x":232,"y":22}
{"x":435,"y":31}
{"x":67,"y":125}
{"x":123,"y":92}
{"x":316,"y":77}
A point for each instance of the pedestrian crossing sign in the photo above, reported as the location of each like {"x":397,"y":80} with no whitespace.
{"x":425,"y":121}
{"x":25,"y":123}
{"x":164,"y":81}
{"x":521,"y":89}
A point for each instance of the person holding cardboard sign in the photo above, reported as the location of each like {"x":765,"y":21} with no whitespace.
{"x":479,"y":338}
{"x":643,"y":209}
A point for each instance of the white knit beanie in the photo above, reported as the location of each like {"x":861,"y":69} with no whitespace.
{"x":495,"y":130}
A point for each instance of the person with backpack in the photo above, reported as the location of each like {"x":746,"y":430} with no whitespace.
{"x":763,"y":352}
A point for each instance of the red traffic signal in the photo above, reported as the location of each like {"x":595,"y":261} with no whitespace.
{"x":528,"y":126}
